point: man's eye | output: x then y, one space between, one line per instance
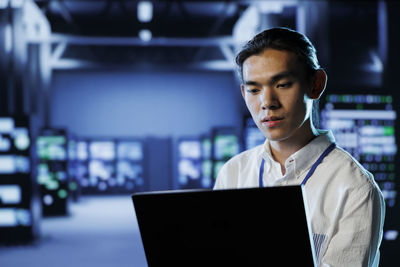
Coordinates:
252 91
284 85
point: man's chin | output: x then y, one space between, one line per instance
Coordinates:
276 137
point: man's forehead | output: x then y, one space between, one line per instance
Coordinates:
271 62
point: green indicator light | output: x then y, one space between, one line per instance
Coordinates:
62 193
389 99
359 107
52 185
43 179
341 98
391 176
42 167
73 186
388 130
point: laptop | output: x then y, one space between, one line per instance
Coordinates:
235 227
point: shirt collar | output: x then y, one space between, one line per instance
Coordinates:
304 158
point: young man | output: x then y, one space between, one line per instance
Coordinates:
281 81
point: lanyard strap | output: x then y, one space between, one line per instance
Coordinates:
314 166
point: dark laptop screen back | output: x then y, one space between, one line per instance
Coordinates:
239 227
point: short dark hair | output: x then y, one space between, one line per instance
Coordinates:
283 39
280 39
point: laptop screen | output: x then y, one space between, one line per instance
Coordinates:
237 227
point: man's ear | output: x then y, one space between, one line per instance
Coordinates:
242 89
318 84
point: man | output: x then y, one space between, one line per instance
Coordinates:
281 81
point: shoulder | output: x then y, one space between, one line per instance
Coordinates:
350 171
244 157
240 165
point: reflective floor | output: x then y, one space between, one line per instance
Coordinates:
100 231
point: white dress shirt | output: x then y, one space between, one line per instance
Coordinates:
345 204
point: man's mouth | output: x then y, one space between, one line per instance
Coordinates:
271 121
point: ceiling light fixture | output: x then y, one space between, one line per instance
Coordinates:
145 35
145 11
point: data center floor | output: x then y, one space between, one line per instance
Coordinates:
100 232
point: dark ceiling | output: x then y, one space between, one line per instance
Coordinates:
119 17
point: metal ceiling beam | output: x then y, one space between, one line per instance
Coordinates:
133 41
73 64
62 41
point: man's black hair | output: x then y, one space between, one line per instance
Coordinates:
287 40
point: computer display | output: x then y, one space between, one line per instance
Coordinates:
225 145
96 165
101 174
190 163
107 166
52 147
82 151
130 150
364 125
104 150
130 165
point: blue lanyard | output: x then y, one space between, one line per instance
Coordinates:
319 160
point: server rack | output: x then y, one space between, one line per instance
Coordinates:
52 171
19 206
364 123
225 145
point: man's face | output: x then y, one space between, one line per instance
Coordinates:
275 88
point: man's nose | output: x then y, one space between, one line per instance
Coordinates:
269 99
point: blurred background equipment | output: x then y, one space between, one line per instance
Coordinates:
52 171
19 207
101 99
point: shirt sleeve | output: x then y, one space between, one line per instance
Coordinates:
221 182
358 232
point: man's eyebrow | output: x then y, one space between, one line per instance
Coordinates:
282 75
251 83
273 79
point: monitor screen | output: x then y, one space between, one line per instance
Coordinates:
130 150
100 170
82 153
190 149
52 147
104 150
129 174
225 146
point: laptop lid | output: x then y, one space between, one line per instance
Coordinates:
235 227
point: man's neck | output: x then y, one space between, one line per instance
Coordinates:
282 150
